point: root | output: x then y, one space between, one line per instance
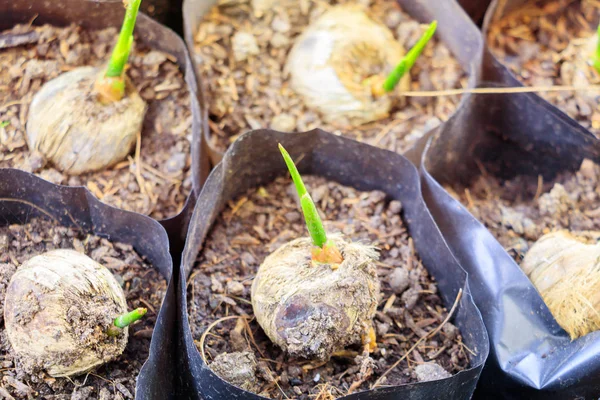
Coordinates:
207 331
430 334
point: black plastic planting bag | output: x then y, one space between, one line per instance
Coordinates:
24 196
253 160
494 71
510 135
99 15
455 30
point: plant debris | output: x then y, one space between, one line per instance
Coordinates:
242 48
156 178
263 219
552 43
143 286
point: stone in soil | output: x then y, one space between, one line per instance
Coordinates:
242 53
551 43
255 225
430 372
237 368
143 287
160 182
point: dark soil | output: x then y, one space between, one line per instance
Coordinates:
143 287
547 43
158 181
255 93
259 222
518 212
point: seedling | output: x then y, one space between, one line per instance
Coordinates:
339 66
88 119
316 295
324 251
124 320
111 85
409 59
65 313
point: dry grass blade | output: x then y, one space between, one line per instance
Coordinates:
540 188
325 393
504 90
46 213
207 331
11 103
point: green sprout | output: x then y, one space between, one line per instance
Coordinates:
311 215
120 54
324 251
4 124
409 59
124 320
112 84
596 57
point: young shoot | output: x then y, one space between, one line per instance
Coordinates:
324 251
596 56
111 84
73 294
409 59
124 320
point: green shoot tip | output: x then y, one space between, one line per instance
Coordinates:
311 215
120 54
130 317
596 57
409 59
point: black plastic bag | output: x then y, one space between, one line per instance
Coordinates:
511 135
24 196
99 15
455 30
254 160
493 70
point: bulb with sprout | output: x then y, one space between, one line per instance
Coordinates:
314 296
66 314
88 118
347 66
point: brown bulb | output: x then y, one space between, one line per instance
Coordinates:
78 133
57 309
312 310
